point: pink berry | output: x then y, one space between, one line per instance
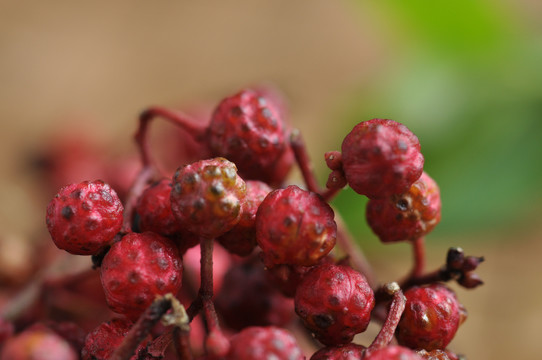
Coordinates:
84 218
37 344
256 343
406 216
334 302
241 240
207 196
345 352
381 157
138 268
431 317
393 352
248 129
294 226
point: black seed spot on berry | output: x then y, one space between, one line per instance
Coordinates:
333 300
133 277
323 321
376 150
66 212
76 194
401 145
402 204
178 188
234 142
217 189
236 111
191 178
139 300
245 127
399 217
288 221
199 204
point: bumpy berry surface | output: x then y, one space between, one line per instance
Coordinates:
294 226
434 355
138 268
37 344
345 352
393 352
256 343
335 302
84 218
381 157
241 240
101 342
406 216
248 129
154 209
431 317
207 196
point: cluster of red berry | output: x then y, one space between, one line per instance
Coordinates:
280 249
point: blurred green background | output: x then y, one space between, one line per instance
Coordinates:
465 76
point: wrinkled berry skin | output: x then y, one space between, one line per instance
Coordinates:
207 197
37 344
248 129
393 352
295 227
101 342
431 317
257 343
154 209
241 240
136 269
381 157
407 216
346 352
335 302
84 218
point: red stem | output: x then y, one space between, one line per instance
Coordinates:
418 249
143 178
182 344
303 161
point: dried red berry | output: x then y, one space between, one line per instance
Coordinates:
381 157
345 352
37 343
154 209
248 129
393 352
101 342
256 343
406 216
294 226
431 317
335 302
207 196
138 268
84 218
241 240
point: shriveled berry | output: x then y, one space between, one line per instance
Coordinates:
431 317
335 303
294 226
101 342
84 218
393 352
154 209
248 129
37 344
136 269
406 216
345 352
241 240
256 343
207 196
381 157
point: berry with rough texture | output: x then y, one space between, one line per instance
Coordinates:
207 197
393 352
381 157
436 355
154 209
345 352
257 343
431 317
335 303
241 240
101 342
84 218
136 269
37 344
406 216
248 129
295 226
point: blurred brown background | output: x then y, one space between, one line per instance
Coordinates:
474 90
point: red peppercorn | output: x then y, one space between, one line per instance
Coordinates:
431 317
154 209
207 197
334 302
256 343
406 216
345 352
37 343
84 218
381 157
393 352
294 226
138 268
